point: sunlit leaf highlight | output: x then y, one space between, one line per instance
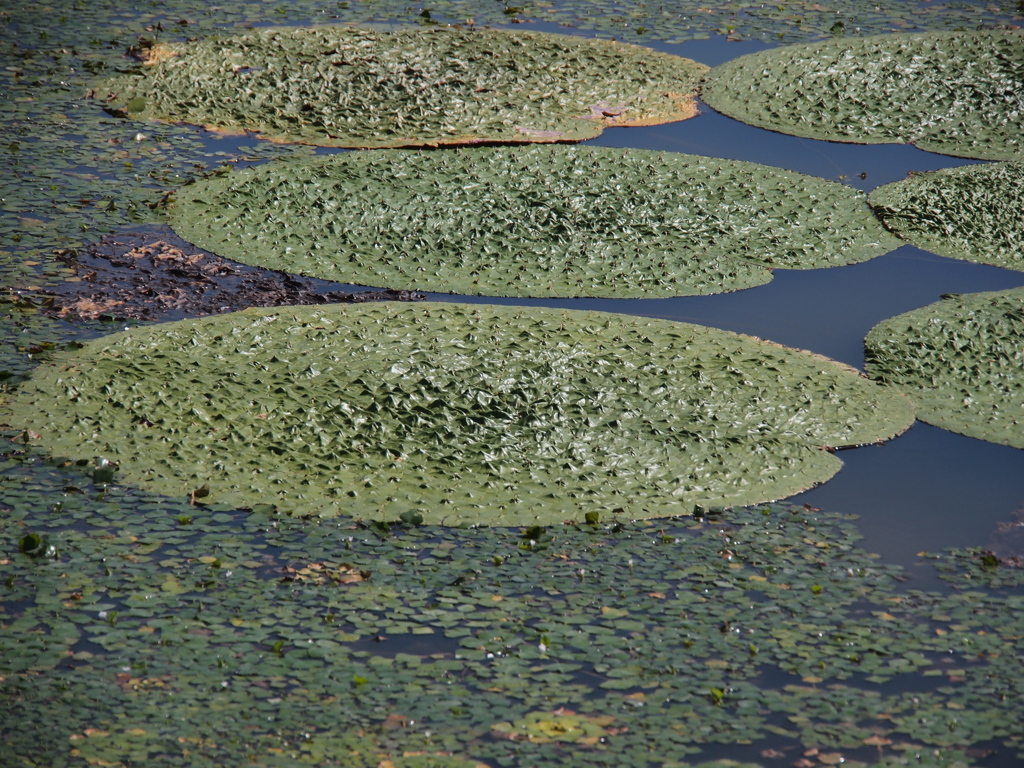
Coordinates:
531 221
344 86
463 414
957 93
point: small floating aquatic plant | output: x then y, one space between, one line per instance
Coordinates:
973 213
342 86
157 640
957 93
531 221
455 414
961 361
561 725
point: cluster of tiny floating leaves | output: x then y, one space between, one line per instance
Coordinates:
960 361
23 334
788 20
361 87
458 413
972 213
958 93
145 630
975 567
531 221
785 21
72 172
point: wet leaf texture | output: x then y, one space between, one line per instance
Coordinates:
531 221
358 87
462 413
957 93
961 361
974 213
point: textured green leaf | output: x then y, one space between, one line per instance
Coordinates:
464 414
531 221
361 87
974 213
958 93
961 361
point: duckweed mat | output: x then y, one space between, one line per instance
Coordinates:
360 87
957 93
974 213
960 361
145 631
531 221
454 414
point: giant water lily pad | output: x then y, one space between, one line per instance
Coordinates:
961 361
973 213
461 414
958 93
531 221
357 87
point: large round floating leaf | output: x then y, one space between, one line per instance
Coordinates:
463 414
531 221
961 360
358 87
973 213
958 93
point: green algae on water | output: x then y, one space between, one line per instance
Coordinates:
957 93
531 221
343 86
961 361
457 414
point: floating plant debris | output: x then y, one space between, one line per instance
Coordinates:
458 414
961 361
342 86
153 275
958 93
530 221
153 641
973 213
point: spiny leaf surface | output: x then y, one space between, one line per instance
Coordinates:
531 221
360 87
466 414
958 93
974 213
961 361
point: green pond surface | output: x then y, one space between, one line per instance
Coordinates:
141 630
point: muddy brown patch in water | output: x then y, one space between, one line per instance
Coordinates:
156 275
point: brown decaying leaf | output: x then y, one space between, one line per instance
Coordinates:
154 275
